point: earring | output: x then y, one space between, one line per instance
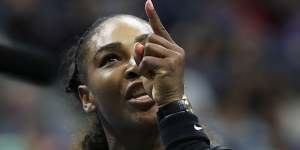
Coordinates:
89 107
85 106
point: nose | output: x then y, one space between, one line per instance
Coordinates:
132 71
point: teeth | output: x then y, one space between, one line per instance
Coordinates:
142 97
139 93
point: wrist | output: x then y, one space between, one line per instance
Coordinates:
174 107
161 102
169 97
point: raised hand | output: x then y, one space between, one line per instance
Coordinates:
161 61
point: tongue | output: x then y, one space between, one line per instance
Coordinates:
138 93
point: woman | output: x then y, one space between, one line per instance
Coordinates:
130 75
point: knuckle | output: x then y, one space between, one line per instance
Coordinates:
147 46
181 50
146 59
181 56
178 48
172 65
151 36
175 62
142 67
162 28
145 62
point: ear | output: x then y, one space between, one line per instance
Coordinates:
87 99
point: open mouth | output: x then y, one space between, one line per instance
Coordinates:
138 98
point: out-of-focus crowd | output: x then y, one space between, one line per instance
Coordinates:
243 60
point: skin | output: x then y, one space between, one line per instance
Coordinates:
155 62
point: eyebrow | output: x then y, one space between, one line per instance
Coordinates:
118 45
114 45
110 46
141 38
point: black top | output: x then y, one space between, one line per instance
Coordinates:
181 131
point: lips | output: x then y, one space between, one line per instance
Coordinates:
135 90
137 97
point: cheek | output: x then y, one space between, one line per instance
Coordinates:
106 87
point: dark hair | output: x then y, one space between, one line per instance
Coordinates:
74 60
74 75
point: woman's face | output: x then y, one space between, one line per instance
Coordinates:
112 74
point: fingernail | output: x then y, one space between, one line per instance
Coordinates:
138 48
150 4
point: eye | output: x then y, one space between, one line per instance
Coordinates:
109 59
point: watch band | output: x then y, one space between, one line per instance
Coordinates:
182 105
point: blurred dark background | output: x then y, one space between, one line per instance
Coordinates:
243 63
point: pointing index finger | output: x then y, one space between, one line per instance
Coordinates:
155 22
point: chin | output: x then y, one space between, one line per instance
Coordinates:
145 119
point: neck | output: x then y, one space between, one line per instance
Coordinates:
133 140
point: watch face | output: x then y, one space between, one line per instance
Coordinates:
187 104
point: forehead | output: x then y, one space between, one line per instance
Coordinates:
122 29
